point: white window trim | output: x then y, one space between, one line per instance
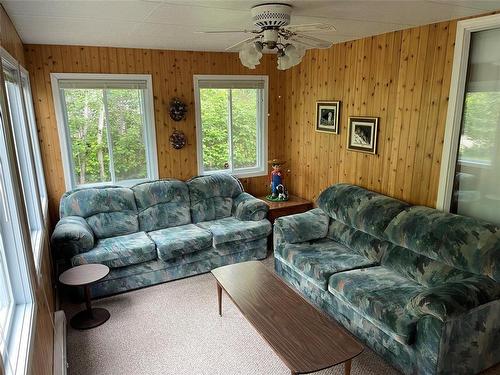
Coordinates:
149 129
37 238
455 105
261 170
20 347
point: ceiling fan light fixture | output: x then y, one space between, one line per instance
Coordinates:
251 54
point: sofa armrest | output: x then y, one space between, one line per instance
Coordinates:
72 235
307 226
451 299
248 208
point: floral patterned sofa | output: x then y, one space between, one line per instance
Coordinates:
160 230
418 286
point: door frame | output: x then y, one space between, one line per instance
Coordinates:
456 103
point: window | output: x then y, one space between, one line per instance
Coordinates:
35 145
471 152
24 151
16 293
231 122
106 128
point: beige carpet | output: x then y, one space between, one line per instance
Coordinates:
174 328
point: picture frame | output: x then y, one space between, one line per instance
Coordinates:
327 116
362 134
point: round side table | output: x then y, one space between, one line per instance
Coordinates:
84 276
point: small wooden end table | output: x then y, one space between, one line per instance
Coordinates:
84 276
305 338
294 205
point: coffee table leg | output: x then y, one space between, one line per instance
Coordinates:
219 298
347 365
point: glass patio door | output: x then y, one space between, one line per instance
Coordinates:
476 188
470 175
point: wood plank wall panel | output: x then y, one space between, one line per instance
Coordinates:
401 77
42 359
9 38
172 73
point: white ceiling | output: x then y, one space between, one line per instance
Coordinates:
171 24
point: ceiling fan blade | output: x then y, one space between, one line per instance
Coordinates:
312 27
311 41
228 31
239 44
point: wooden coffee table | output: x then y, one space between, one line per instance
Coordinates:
305 339
84 276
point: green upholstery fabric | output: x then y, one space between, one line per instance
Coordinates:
72 235
212 196
162 204
247 207
360 208
307 226
110 211
462 242
454 298
361 242
176 241
419 268
381 295
431 306
231 229
320 259
119 251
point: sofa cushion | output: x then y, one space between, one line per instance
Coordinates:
359 208
361 242
162 204
466 243
454 298
419 268
119 251
306 226
231 229
318 260
176 241
212 196
381 296
109 211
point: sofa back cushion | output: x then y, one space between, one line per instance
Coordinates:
212 196
462 242
359 208
162 204
363 243
110 211
420 268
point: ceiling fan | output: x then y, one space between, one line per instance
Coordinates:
274 32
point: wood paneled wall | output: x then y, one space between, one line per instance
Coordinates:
172 73
42 357
9 38
401 77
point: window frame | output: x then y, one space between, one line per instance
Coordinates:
38 236
262 130
456 104
64 137
15 230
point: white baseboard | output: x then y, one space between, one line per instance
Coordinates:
60 362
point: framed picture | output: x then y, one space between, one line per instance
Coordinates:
362 134
327 117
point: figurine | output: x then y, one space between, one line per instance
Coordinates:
278 190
